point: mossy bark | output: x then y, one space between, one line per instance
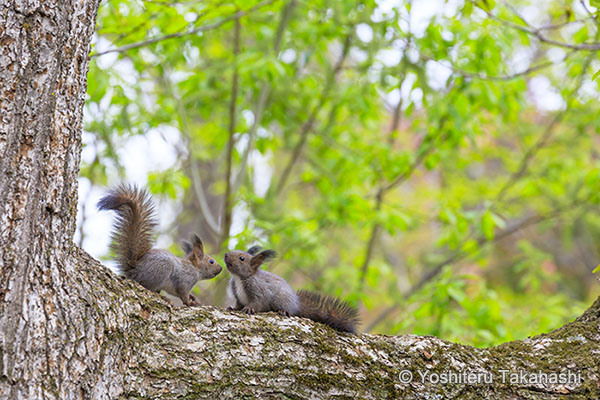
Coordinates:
125 342
71 329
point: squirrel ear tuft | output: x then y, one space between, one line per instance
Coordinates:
269 255
198 246
196 239
262 257
254 250
187 247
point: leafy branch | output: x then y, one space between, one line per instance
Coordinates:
194 31
537 32
481 241
309 124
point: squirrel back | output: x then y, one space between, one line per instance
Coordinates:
133 232
252 290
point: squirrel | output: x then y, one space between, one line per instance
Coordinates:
254 290
155 269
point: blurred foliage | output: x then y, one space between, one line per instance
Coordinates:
435 163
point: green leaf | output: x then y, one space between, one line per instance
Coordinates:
597 269
596 73
487 225
487 5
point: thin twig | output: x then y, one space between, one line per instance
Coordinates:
309 124
529 154
589 12
227 200
563 24
502 78
203 28
460 255
395 126
263 95
185 129
381 191
550 27
536 32
544 138
201 196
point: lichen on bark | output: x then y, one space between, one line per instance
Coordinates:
207 352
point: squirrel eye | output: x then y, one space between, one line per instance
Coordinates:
212 261
242 258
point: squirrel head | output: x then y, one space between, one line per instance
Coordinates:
244 264
194 253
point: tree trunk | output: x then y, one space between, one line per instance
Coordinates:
44 48
70 328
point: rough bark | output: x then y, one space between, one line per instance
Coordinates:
44 47
70 328
123 341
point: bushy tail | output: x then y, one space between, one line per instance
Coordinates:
328 310
133 231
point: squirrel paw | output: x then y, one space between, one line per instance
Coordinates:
168 300
283 313
193 301
248 310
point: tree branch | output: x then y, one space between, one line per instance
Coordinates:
589 12
502 78
544 138
382 190
227 200
536 32
309 124
286 14
395 126
212 353
203 28
528 156
201 196
515 176
481 241
184 128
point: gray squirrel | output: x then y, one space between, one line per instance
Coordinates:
254 290
155 269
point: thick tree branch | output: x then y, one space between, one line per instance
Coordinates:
206 352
